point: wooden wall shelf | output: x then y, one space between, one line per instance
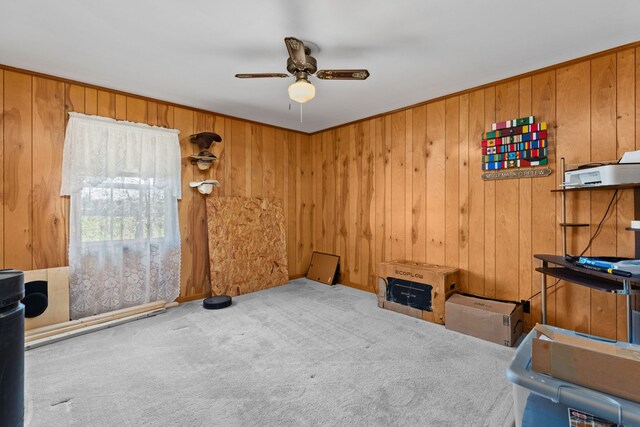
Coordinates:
601 281
564 269
596 187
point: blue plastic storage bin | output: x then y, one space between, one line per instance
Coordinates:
541 400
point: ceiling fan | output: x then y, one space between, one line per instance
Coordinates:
301 65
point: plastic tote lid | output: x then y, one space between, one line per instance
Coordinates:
11 287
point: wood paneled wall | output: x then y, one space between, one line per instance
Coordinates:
402 185
255 160
407 185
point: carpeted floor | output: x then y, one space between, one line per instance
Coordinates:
301 354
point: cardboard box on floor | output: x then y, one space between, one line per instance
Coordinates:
599 365
444 282
495 321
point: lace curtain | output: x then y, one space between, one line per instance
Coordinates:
124 239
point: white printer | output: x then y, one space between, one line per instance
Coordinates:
625 172
616 174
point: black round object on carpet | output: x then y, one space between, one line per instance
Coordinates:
218 302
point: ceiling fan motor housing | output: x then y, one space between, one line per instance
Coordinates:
312 65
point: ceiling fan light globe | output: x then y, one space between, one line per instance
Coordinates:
302 91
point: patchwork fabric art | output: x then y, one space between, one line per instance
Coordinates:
515 143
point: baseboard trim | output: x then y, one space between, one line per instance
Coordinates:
359 287
188 298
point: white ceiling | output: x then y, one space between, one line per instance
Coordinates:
188 51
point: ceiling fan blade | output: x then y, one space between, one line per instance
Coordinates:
261 75
343 74
296 52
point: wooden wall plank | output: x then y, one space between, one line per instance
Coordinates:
573 105
17 198
320 178
317 143
305 233
452 196
49 221
226 152
435 233
136 110
74 99
292 196
544 222
603 148
279 166
165 114
152 113
420 186
342 202
626 133
238 183
525 266
121 107
476 194
220 150
388 180
380 164
268 162
183 121
329 192
200 274
489 204
315 200
507 227
300 208
257 157
368 208
91 101
106 104
248 155
408 188
398 183
463 196
356 142
217 124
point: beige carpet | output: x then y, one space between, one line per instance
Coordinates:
300 354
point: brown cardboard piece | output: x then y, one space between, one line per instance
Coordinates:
444 281
323 268
495 321
587 362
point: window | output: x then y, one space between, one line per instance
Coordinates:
124 241
123 209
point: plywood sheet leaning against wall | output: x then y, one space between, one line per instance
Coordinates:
57 294
247 246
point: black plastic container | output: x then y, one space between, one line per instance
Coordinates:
11 348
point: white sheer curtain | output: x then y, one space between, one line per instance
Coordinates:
124 240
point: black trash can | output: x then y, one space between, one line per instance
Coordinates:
11 348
